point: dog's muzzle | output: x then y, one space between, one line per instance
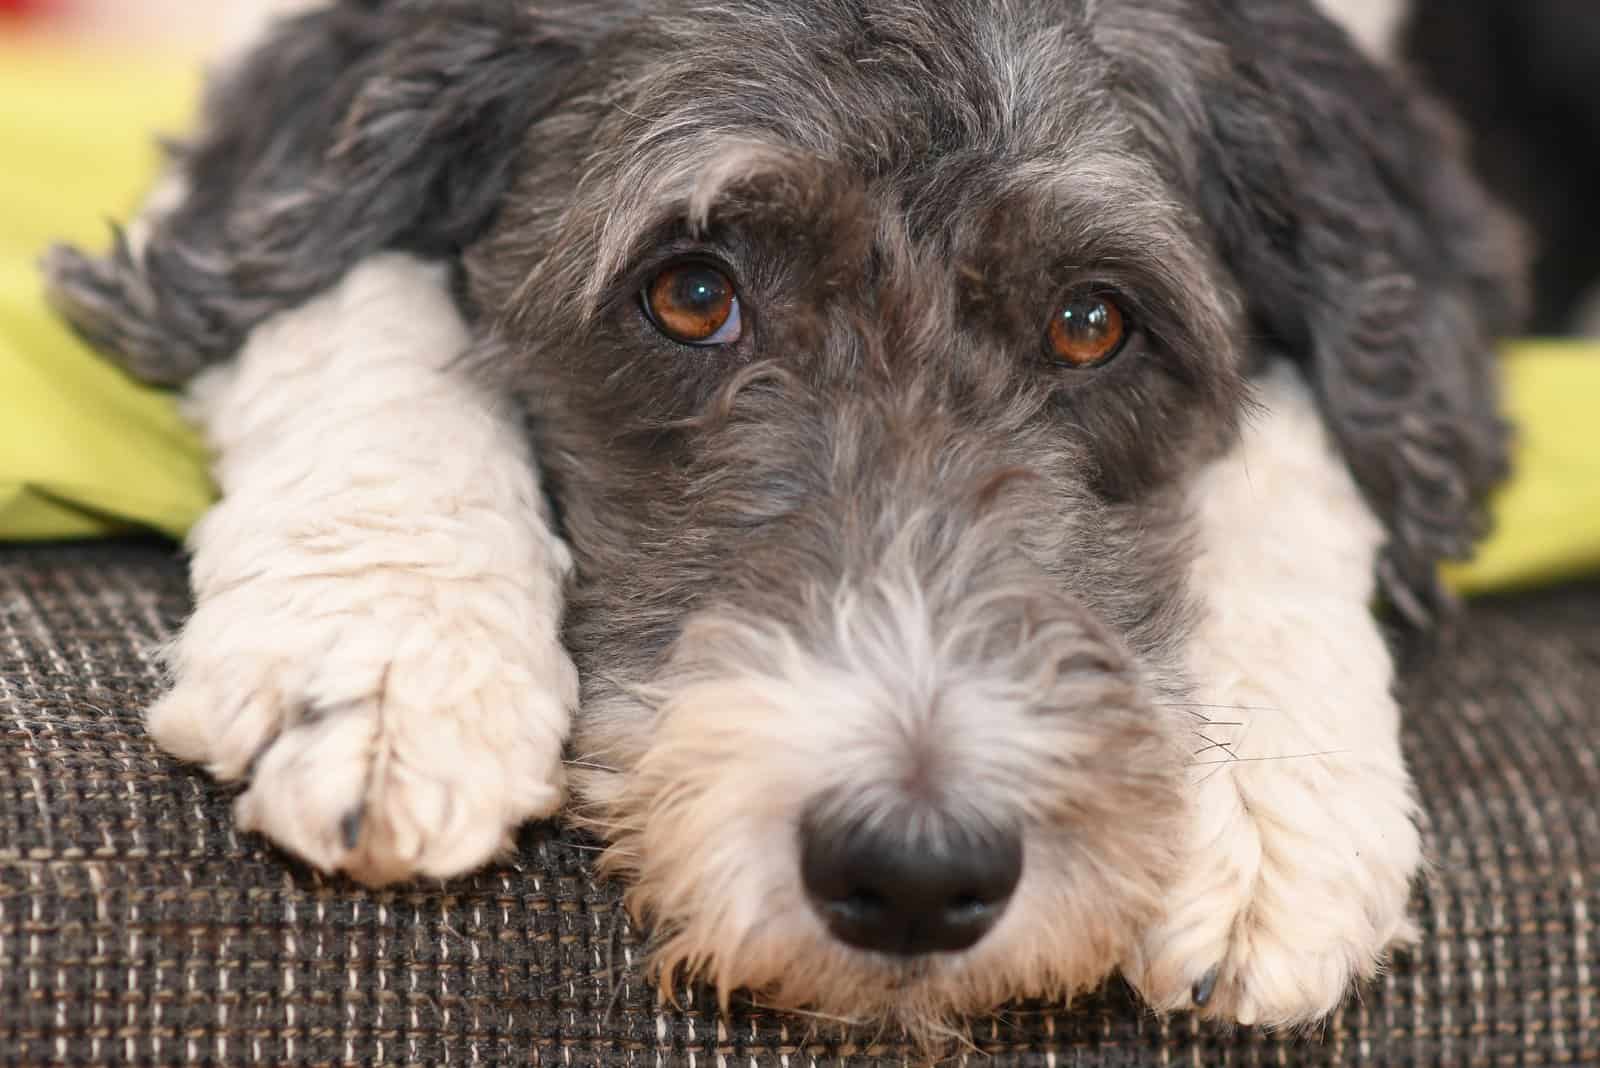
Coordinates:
895 738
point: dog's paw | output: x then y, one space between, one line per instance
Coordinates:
394 742
1296 883
376 640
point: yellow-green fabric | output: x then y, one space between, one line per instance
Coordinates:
1547 518
84 451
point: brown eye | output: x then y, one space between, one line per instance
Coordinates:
694 303
1087 330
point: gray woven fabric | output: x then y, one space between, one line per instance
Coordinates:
137 927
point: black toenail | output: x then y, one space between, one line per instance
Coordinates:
350 827
1204 988
255 758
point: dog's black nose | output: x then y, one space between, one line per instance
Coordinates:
881 887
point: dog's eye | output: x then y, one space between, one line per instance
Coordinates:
1087 330
695 304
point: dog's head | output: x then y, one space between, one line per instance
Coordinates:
873 351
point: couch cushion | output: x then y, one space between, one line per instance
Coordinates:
136 925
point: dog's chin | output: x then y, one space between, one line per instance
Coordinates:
705 808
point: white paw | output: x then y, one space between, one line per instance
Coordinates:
395 742
1301 846
376 639
1296 884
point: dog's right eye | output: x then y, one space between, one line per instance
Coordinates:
693 303
1087 330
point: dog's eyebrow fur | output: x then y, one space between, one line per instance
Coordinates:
738 163
684 186
1080 208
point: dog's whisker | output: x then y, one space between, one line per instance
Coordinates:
1226 747
1219 707
1209 722
583 848
810 1014
1253 760
592 765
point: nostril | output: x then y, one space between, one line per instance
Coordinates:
968 905
857 906
878 887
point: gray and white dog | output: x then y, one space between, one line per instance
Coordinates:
977 433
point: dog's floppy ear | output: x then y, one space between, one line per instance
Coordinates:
364 125
1363 249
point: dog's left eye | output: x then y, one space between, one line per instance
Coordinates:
1087 330
693 303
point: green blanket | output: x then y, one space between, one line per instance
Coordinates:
1547 518
86 452
83 450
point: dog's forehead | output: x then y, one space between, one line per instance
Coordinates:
883 87
947 123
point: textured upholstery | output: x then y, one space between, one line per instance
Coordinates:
136 926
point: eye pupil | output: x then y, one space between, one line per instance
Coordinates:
1086 331
693 303
699 290
1086 318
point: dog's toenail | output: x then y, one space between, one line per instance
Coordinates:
256 757
1204 988
350 827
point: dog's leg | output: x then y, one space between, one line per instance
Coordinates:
1302 844
375 641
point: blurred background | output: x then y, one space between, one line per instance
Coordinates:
193 27
1524 77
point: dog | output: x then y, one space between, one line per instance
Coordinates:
958 446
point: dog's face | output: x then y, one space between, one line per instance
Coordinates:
873 350
868 398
